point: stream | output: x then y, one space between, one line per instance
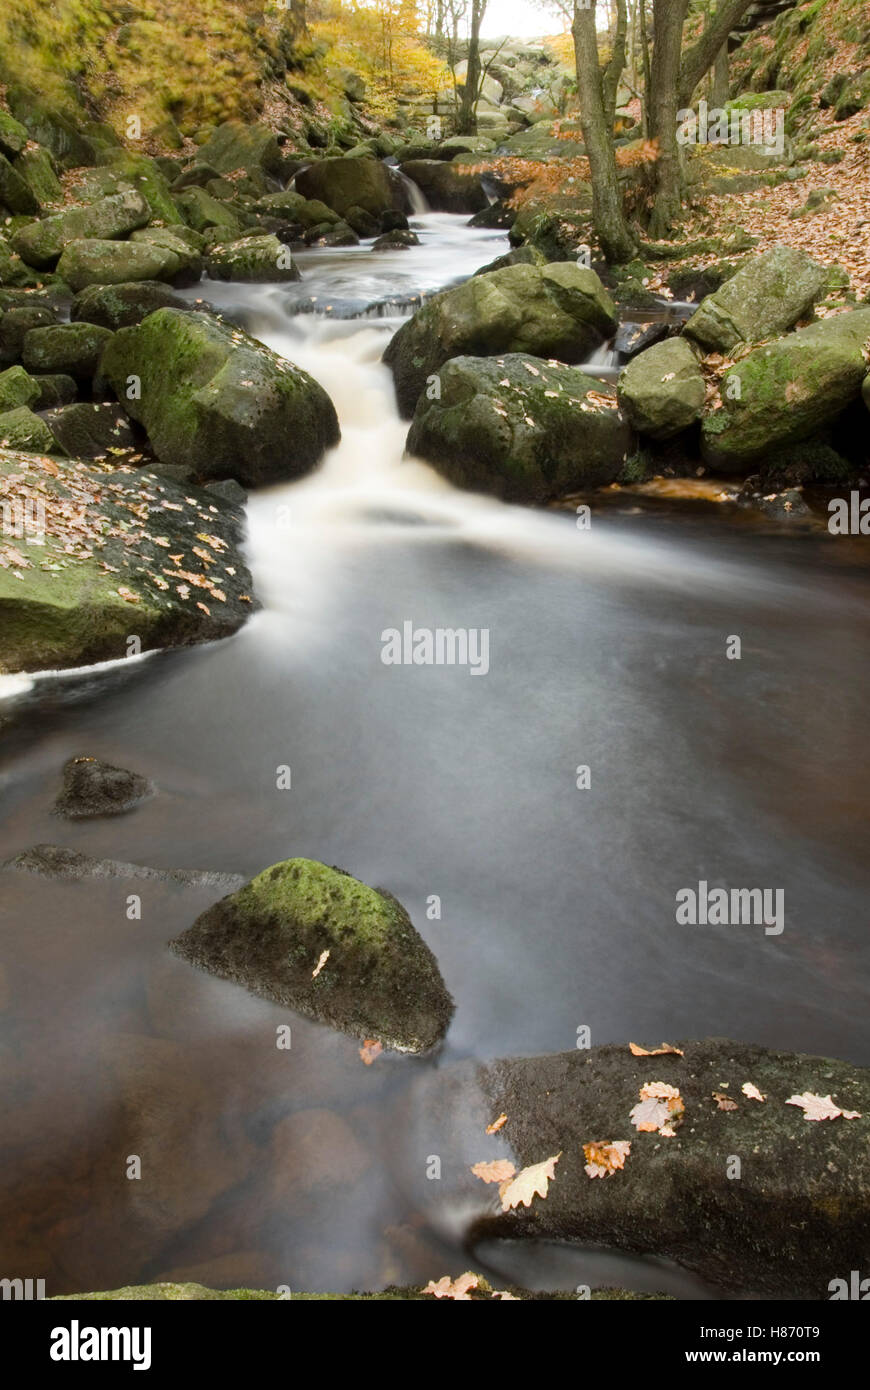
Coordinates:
304 1168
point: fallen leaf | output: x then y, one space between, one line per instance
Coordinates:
638 1051
821 1107
320 964
531 1182
497 1124
458 1289
603 1159
497 1170
752 1091
128 595
724 1102
371 1049
660 1105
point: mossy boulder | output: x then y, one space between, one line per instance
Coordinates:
447 187
36 169
14 272
79 596
182 247
767 296
662 390
798 1214
48 125
15 195
217 401
13 136
560 310
124 304
17 322
519 427
21 429
95 262
17 387
235 145
40 243
140 172
788 390
251 260
201 211
71 348
347 183
379 979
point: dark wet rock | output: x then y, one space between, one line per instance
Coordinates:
778 506
662 390
798 1215
767 296
201 211
219 402
15 194
252 260
519 427
396 241
124 304
394 221
94 788
379 980
332 234
788 390
54 861
15 323
197 175
560 311
353 183
632 338
112 577
41 243
497 216
365 224
73 349
54 389
90 429
447 187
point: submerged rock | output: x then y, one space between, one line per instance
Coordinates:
68 865
95 788
318 941
767 296
798 1214
560 311
219 402
521 428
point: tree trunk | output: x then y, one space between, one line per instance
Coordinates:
720 88
668 19
615 67
608 214
466 122
296 22
702 55
646 124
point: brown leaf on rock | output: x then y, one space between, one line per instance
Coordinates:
821 1107
604 1158
457 1289
533 1181
666 1048
724 1102
659 1109
496 1170
370 1050
497 1124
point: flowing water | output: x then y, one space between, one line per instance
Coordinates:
302 1167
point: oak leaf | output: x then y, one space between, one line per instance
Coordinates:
752 1091
659 1108
457 1289
724 1102
604 1159
821 1107
497 1170
666 1048
533 1181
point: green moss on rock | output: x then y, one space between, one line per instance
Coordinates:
380 980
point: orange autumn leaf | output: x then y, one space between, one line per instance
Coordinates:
457 1289
497 1170
370 1049
660 1106
603 1159
533 1181
497 1124
724 1102
666 1048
